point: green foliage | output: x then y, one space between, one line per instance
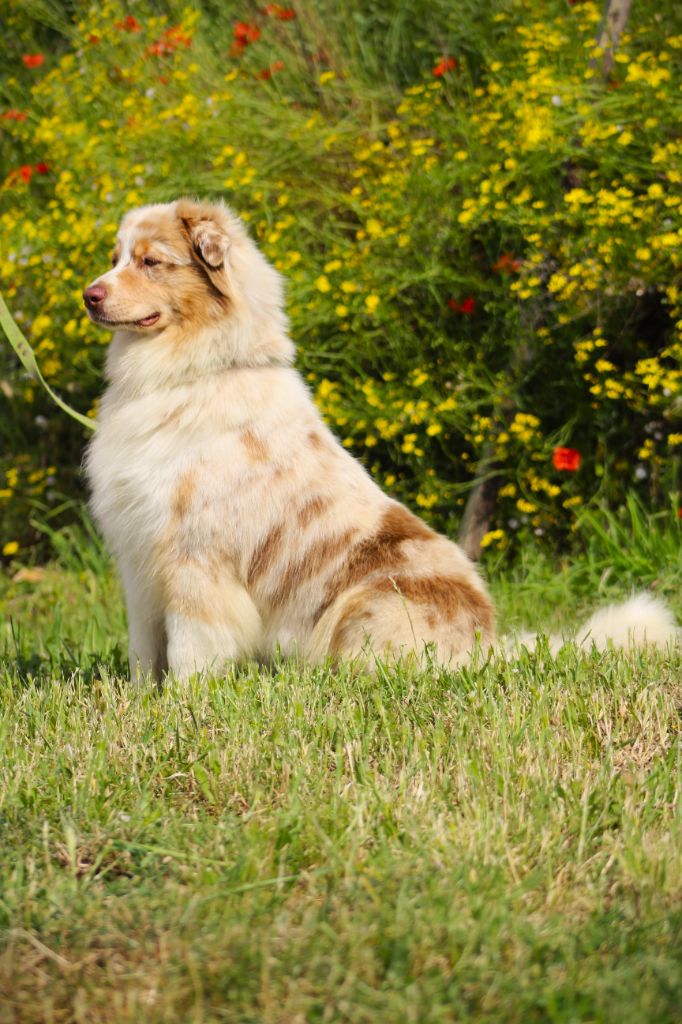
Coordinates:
481 234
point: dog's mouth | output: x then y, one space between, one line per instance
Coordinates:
147 321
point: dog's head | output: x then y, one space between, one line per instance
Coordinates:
188 270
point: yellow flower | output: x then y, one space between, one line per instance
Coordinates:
342 310
322 283
372 301
10 548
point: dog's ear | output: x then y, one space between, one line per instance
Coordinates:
208 239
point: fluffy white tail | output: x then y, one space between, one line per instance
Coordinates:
641 621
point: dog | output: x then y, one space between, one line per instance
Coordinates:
240 525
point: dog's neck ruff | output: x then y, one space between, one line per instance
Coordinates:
138 366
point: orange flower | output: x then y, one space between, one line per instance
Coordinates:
171 40
14 115
444 65
507 264
281 13
129 24
266 73
566 459
244 34
33 60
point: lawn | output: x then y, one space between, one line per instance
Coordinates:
296 844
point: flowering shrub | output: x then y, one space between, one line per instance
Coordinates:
483 266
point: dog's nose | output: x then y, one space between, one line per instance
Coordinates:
93 295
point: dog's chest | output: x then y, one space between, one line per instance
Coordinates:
175 476
136 463
132 482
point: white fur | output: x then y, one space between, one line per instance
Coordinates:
641 621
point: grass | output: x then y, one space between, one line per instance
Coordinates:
499 844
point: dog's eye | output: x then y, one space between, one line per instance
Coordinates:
114 260
149 261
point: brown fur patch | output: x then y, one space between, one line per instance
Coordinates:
264 554
174 416
355 615
163 226
183 494
447 596
254 445
316 440
179 596
312 509
381 552
194 298
312 563
206 243
142 248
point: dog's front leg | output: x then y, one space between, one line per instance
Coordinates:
210 620
146 627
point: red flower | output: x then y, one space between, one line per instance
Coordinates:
129 24
171 40
679 512
466 307
93 39
281 13
444 65
26 172
41 169
244 34
33 60
14 115
269 72
507 264
566 459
